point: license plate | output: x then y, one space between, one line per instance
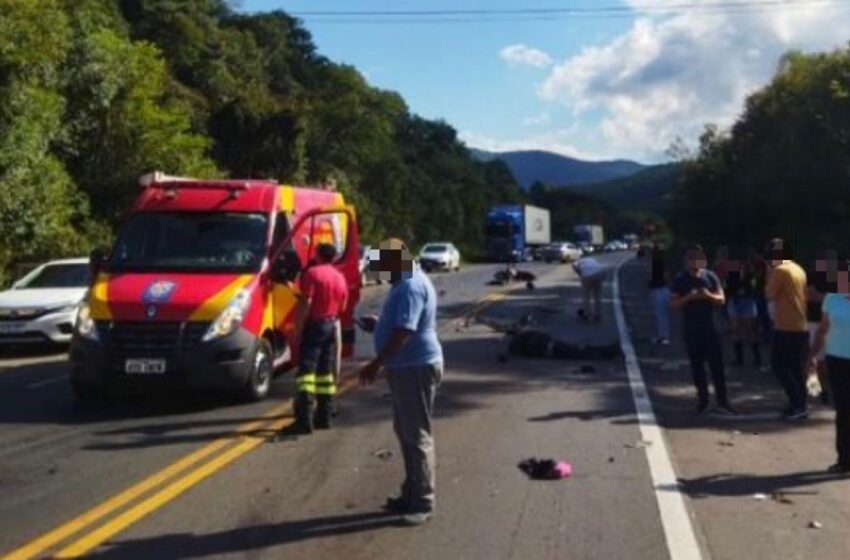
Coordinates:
145 367
11 328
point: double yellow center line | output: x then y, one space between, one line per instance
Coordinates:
123 510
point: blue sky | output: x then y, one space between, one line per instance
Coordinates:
600 87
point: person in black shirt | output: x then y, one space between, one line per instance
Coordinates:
697 292
740 287
660 291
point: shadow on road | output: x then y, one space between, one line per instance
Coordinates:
733 485
244 539
32 350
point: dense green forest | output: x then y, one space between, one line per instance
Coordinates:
621 206
568 208
647 191
782 170
93 93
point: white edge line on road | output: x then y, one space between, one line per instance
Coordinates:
675 519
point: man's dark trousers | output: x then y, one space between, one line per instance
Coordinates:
788 359
703 346
316 374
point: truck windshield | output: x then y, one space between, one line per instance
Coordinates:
184 241
497 229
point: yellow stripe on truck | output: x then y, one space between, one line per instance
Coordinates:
287 199
211 308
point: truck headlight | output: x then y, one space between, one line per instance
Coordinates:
229 320
86 326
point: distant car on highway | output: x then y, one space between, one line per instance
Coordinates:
42 306
615 245
586 248
562 251
439 256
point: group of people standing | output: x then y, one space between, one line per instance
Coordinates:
805 317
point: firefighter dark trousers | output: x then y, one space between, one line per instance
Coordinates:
316 374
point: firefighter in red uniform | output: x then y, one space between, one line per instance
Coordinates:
324 296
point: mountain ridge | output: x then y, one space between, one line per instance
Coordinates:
531 166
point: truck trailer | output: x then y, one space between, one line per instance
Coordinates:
591 234
514 231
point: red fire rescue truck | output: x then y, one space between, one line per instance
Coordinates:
200 288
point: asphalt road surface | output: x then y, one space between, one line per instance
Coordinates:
195 476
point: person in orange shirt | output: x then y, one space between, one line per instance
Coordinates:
786 289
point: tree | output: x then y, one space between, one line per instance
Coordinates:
784 167
41 212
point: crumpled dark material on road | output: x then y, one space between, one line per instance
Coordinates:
545 469
502 277
530 343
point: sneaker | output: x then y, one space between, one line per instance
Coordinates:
416 518
796 415
726 410
838 468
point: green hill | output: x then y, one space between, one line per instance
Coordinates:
532 166
646 191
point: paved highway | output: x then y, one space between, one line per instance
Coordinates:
198 477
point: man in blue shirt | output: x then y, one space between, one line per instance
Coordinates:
697 291
407 346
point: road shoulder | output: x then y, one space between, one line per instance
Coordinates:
723 464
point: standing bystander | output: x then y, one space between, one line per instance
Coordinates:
407 346
833 336
742 310
786 289
324 295
660 291
591 273
697 291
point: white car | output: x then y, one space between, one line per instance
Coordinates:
439 256
561 251
42 306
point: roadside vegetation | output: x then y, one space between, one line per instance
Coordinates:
94 93
782 170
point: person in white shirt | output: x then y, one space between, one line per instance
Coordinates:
591 273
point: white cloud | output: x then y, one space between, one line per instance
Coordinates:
536 120
551 142
668 76
523 55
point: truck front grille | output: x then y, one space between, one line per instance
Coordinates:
149 339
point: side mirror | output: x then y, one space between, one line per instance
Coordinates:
286 268
96 260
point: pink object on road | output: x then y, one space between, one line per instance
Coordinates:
562 470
